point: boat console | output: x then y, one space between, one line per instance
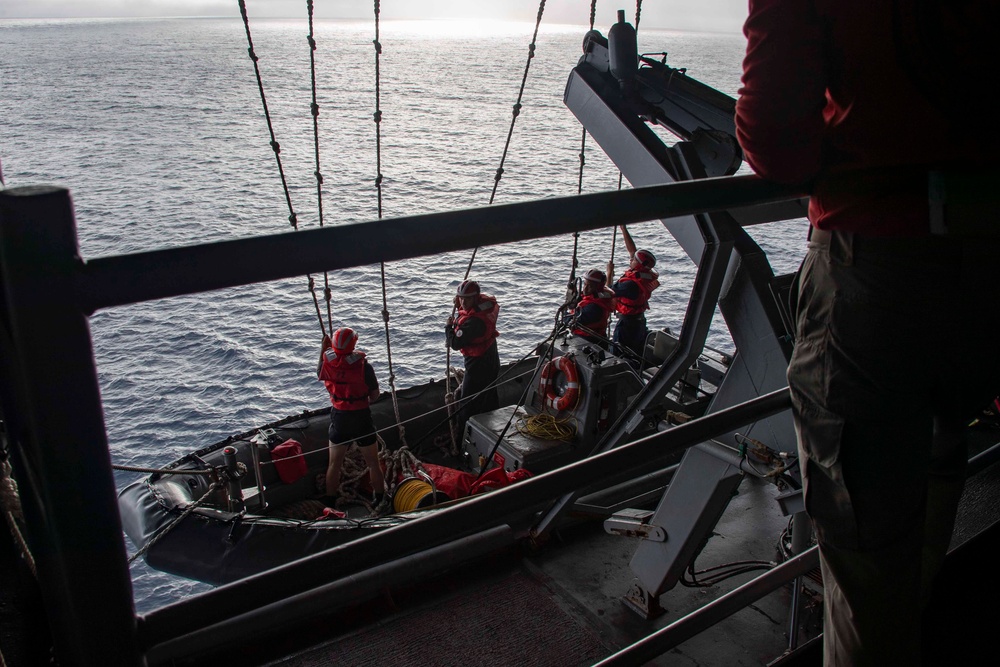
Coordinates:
598 387
596 391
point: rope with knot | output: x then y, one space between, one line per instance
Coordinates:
378 187
398 464
173 524
314 109
276 147
10 502
449 396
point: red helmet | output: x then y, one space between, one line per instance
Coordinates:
344 339
596 276
468 288
645 258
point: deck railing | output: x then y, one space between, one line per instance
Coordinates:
54 421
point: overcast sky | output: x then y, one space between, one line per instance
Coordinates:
707 15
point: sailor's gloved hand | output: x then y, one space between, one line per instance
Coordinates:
327 343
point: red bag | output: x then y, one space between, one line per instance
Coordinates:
458 484
289 461
453 483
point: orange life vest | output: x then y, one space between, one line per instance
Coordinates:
647 281
486 310
344 377
606 301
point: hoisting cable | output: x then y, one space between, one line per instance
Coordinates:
161 471
579 183
513 120
638 13
496 183
314 109
614 238
378 187
173 524
276 147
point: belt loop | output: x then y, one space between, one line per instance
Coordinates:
936 198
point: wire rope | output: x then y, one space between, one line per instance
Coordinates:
449 396
378 187
314 110
276 148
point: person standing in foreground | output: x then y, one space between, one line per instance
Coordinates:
895 350
594 309
632 292
352 384
473 332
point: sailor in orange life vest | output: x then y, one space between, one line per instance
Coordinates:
473 332
594 310
632 293
352 384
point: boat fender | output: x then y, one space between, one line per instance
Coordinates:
547 387
289 461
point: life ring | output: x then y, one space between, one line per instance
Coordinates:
547 387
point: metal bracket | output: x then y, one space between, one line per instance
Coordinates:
639 600
791 502
265 437
634 523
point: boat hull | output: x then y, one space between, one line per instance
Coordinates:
187 527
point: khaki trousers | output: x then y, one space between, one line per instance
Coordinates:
897 349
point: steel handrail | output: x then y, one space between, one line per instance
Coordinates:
132 278
715 611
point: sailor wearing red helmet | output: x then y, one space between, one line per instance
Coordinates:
352 384
473 332
632 292
594 310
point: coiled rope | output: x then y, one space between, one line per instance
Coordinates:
546 426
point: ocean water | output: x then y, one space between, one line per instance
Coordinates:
157 129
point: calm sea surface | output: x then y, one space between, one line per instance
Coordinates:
157 129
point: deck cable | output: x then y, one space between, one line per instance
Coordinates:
614 230
579 183
449 396
276 147
314 110
161 471
173 524
378 187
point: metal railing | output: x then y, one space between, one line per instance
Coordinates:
53 413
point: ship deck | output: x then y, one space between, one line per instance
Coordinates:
562 603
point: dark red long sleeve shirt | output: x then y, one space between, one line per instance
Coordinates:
827 91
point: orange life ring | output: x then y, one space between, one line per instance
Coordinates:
547 387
